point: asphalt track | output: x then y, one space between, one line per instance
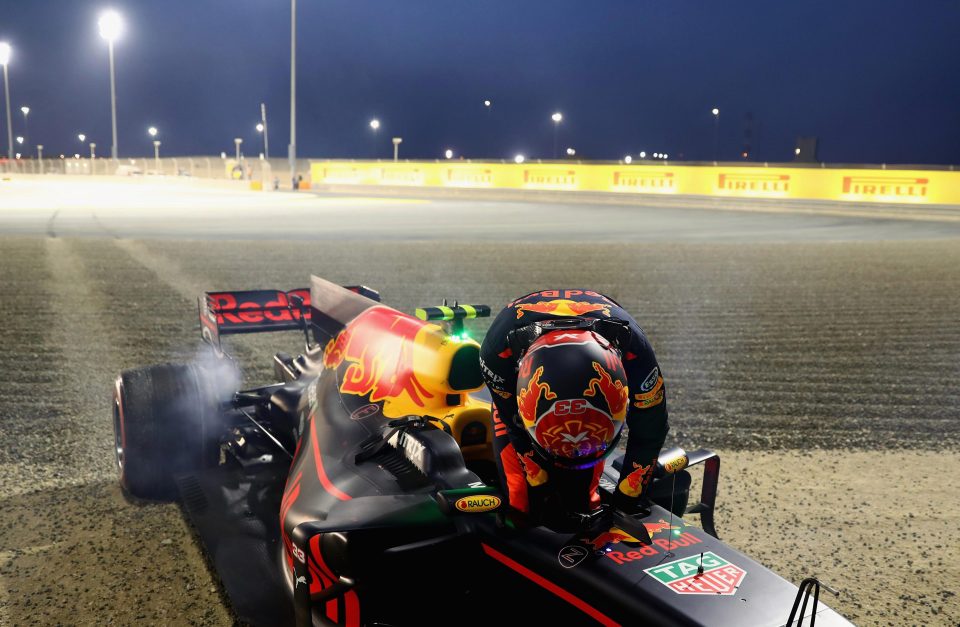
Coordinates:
786 329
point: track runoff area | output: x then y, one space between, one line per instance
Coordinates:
818 353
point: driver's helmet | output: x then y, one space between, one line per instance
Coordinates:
572 396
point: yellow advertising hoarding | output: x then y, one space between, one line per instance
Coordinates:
858 185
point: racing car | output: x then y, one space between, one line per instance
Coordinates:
359 487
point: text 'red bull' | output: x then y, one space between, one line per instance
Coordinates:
378 344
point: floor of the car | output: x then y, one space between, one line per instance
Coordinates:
235 516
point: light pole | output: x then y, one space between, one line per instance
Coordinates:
237 141
93 156
557 118
5 52
111 25
716 133
263 125
152 132
292 148
26 126
396 147
263 144
375 126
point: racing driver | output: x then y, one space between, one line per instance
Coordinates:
566 369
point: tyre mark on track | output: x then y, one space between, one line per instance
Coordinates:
97 335
50 231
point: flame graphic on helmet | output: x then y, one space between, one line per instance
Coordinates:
615 392
562 307
633 484
529 397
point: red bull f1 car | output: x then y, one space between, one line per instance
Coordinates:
359 488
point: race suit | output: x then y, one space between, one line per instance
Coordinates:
534 485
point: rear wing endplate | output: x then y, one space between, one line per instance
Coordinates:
258 311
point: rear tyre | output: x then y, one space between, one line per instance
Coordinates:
166 422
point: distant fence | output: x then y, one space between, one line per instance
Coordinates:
736 180
264 171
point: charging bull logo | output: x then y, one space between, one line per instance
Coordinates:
378 345
535 474
614 392
612 536
634 483
563 308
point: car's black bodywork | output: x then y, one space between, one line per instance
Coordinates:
372 456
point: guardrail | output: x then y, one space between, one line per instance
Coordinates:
733 180
884 184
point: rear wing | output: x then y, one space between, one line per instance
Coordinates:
258 311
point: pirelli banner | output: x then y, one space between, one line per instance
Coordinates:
860 185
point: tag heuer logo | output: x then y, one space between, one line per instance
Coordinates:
719 576
571 555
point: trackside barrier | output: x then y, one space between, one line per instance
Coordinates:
855 185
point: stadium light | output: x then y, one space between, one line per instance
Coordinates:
628 159
82 137
716 133
557 118
5 53
643 154
152 131
571 152
519 159
111 27
375 124
448 153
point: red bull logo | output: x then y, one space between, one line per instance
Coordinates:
563 308
535 474
612 536
659 546
634 483
614 392
659 526
378 345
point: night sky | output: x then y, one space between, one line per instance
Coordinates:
874 81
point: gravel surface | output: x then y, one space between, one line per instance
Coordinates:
825 373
